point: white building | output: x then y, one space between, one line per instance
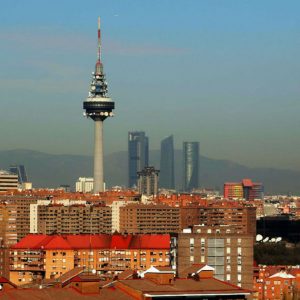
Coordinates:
85 185
8 181
115 214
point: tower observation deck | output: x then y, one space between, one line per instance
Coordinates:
98 106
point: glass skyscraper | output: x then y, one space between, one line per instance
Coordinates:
166 178
138 155
190 165
20 171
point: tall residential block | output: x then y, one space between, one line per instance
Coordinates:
149 218
148 181
70 219
138 155
229 253
167 177
98 106
190 165
245 189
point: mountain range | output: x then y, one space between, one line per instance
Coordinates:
49 170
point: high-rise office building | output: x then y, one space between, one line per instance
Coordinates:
20 171
98 106
190 165
166 178
138 155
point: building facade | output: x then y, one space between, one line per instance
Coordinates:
20 171
149 218
8 181
148 181
190 165
138 155
230 254
70 219
84 185
167 177
240 217
43 256
245 189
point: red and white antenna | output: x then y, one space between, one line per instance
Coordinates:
99 41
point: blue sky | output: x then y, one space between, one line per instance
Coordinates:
224 73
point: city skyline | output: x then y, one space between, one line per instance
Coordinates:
237 65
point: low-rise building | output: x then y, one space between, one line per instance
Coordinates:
49 256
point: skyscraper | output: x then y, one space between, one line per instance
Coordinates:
138 155
20 171
190 165
98 106
166 178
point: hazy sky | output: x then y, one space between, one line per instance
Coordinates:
224 73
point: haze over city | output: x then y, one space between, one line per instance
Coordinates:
224 73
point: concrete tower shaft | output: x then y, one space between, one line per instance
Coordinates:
98 106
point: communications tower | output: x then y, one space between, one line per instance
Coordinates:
98 106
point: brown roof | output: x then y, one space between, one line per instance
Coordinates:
125 274
48 293
190 270
186 286
166 268
70 274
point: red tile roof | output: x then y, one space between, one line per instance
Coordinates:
120 241
57 242
151 241
88 241
101 241
30 241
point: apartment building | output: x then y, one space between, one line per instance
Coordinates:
39 256
241 217
70 219
229 253
149 218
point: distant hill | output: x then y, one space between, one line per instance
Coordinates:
48 170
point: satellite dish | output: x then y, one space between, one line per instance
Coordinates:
266 239
94 271
279 239
259 237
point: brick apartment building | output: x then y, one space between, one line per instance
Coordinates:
221 247
276 282
149 218
22 204
241 217
39 256
70 219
